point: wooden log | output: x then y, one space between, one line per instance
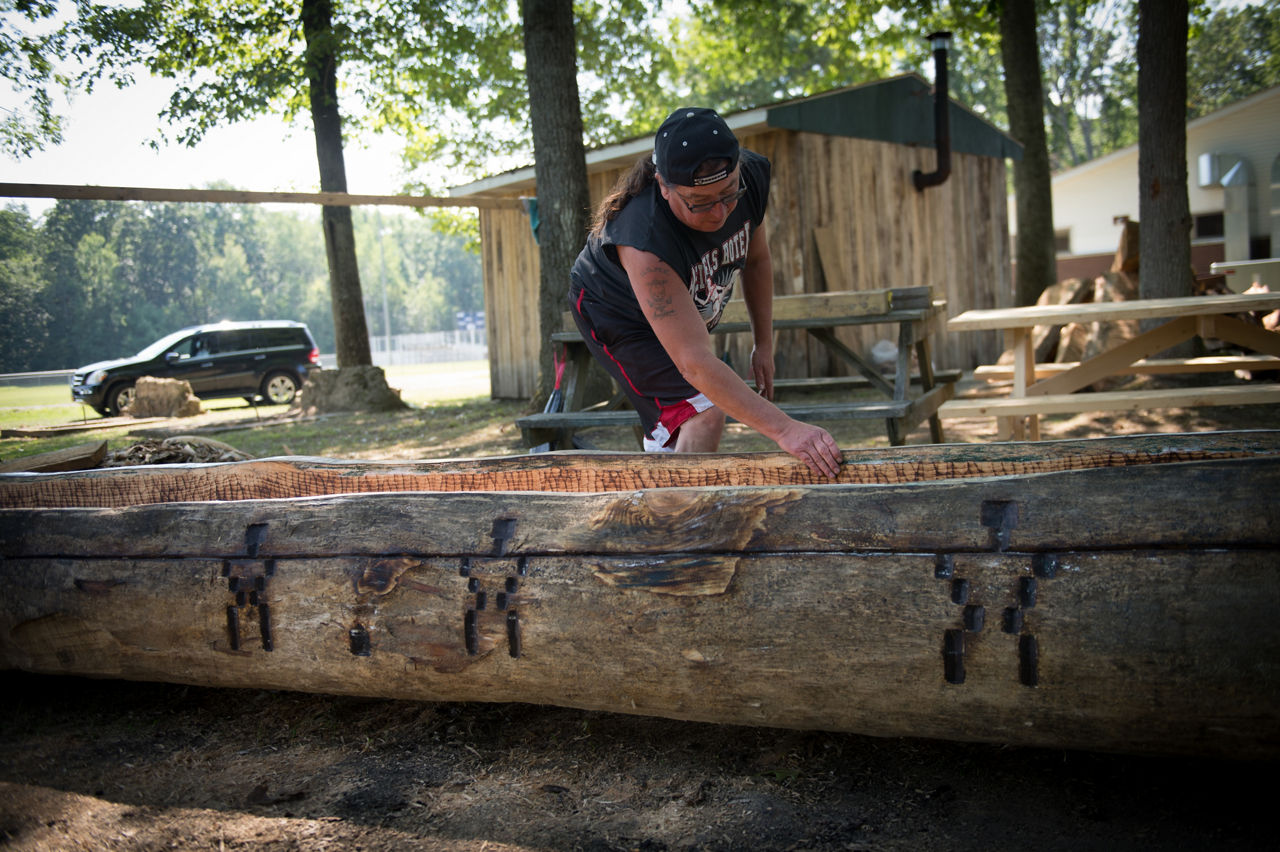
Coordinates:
595 471
1124 607
79 457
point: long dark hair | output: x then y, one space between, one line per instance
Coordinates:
636 181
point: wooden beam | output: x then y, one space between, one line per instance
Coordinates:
239 196
81 457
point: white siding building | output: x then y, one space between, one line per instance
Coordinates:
1233 185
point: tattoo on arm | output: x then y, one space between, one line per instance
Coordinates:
661 305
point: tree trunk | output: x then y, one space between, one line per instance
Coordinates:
1164 213
1036 261
1041 599
350 330
551 68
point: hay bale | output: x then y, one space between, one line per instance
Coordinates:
154 397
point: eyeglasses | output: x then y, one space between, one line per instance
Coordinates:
727 200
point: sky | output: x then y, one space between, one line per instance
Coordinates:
105 144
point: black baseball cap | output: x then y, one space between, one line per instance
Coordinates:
689 137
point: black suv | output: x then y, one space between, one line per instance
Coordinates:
270 359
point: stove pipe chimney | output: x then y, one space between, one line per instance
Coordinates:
940 41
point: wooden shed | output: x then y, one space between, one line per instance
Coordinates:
843 215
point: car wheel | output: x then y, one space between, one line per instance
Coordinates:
279 388
119 398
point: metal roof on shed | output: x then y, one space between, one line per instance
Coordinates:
898 109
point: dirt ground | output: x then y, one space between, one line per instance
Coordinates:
136 766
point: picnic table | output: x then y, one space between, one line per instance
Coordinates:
1052 388
912 309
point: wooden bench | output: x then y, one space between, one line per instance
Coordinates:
1066 403
556 430
1146 366
913 309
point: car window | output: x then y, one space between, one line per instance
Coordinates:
234 341
172 343
201 346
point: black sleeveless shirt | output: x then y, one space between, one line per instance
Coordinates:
710 264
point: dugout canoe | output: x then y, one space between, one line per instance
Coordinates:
1107 594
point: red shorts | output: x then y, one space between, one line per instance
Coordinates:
642 368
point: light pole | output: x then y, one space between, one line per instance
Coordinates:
382 280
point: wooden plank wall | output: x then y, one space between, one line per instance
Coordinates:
953 237
510 264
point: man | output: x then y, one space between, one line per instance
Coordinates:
669 245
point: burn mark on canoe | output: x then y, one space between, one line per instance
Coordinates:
688 519
1027 592
944 566
233 627
1028 661
670 575
471 633
953 656
380 576
513 633
503 531
358 640
1045 565
254 535
247 583
1001 518
97 588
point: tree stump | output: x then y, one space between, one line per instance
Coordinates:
347 389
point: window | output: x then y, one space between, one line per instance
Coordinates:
1208 226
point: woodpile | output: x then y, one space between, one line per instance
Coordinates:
182 449
1076 341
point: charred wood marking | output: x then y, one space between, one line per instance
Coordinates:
264 625
1027 592
953 656
513 633
680 575
97 588
1045 565
945 566
1001 518
503 531
690 519
1028 661
360 643
471 633
233 627
1013 618
505 600
1012 621
254 535
247 582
